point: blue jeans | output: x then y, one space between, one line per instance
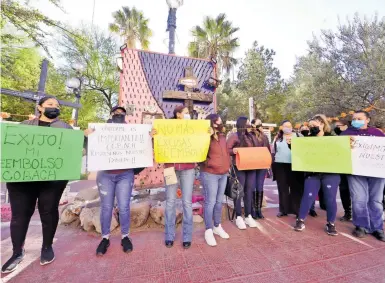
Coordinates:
329 183
261 176
214 190
109 186
367 195
186 181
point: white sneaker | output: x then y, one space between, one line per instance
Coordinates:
220 232
209 237
250 221
240 223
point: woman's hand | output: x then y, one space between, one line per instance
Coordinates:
153 133
235 150
288 140
352 140
88 132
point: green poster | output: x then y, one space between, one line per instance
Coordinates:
322 154
31 153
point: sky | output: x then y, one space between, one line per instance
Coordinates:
282 25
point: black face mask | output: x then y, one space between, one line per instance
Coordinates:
337 130
314 131
51 113
118 118
219 128
305 133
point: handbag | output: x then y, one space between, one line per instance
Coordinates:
234 190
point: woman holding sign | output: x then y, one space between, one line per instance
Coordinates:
23 197
184 174
262 141
329 182
243 138
214 178
367 192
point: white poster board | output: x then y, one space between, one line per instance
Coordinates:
368 156
119 146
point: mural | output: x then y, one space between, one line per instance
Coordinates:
153 84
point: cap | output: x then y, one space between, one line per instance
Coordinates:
118 107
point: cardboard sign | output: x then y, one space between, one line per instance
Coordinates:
119 146
181 141
31 153
250 158
322 154
368 156
170 176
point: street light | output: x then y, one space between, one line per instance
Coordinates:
171 23
75 83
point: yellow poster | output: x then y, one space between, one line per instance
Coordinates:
181 141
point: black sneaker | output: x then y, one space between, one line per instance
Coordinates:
313 213
330 229
103 246
13 262
299 225
379 235
169 244
347 217
186 245
47 255
127 245
359 232
280 214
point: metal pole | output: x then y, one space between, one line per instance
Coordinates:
171 27
42 81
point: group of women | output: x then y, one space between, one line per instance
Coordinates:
297 190
362 197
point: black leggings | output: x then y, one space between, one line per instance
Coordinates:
23 197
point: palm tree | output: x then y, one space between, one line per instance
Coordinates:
215 40
132 26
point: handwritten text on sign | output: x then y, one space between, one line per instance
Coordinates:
119 146
181 140
368 156
30 153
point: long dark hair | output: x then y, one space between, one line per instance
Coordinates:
280 132
242 131
179 110
213 118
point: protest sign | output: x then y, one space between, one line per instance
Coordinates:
31 153
249 158
322 154
368 156
179 141
119 146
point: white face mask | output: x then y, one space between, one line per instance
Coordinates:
186 117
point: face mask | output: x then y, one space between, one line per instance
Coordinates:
337 130
118 118
358 124
186 117
305 132
51 113
287 130
314 131
219 127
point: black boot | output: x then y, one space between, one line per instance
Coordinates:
255 206
258 211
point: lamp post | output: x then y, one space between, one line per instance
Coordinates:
75 83
171 23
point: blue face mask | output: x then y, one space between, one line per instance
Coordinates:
358 124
